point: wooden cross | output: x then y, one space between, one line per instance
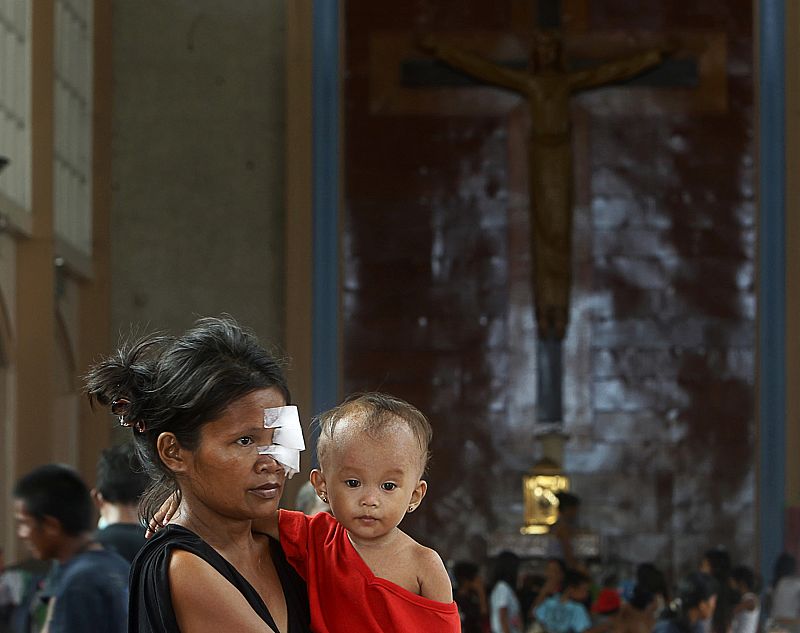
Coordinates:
694 80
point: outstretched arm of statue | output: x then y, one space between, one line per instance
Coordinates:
475 65
619 70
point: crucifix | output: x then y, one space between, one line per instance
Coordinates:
547 86
692 81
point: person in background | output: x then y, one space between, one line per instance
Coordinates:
785 597
697 595
564 530
747 611
565 612
717 563
87 588
120 482
650 579
470 596
505 614
554 573
638 615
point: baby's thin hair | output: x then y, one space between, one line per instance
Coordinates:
374 412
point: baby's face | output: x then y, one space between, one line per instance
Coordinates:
371 481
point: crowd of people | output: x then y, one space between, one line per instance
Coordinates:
214 438
717 597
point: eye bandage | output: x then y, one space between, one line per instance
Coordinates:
287 441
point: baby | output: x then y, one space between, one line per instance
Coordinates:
363 573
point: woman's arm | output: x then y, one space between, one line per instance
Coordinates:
205 602
504 624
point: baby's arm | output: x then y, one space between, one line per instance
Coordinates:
434 583
268 526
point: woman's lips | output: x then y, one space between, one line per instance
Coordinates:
267 491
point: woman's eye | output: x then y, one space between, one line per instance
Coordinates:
352 483
245 441
388 485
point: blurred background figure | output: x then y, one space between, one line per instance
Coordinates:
564 530
747 611
638 615
784 599
717 563
697 599
87 587
650 579
505 613
554 573
470 596
121 480
565 612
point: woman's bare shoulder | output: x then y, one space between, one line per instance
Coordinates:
204 601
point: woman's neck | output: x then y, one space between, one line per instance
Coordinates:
221 533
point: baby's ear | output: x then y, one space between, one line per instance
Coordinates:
318 481
418 494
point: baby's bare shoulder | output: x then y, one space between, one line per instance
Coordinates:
432 575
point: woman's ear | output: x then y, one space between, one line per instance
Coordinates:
172 455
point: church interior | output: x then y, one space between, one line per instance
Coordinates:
595 286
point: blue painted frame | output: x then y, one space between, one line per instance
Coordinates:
772 282
325 200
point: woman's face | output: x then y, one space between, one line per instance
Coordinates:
225 473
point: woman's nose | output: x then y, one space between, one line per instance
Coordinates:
267 463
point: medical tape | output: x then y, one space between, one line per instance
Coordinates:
287 440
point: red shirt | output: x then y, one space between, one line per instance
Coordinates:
344 595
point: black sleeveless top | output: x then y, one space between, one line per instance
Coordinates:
150 600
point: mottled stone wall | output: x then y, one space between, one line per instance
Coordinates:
659 395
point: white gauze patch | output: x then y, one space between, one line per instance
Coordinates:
287 441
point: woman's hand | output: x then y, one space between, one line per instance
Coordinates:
163 515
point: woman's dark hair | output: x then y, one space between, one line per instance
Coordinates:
505 568
641 598
785 565
465 571
719 560
697 587
650 578
745 576
161 383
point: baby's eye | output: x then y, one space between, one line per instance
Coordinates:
388 485
245 440
352 483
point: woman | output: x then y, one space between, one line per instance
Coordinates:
196 405
505 615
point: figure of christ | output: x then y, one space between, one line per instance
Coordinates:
547 86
